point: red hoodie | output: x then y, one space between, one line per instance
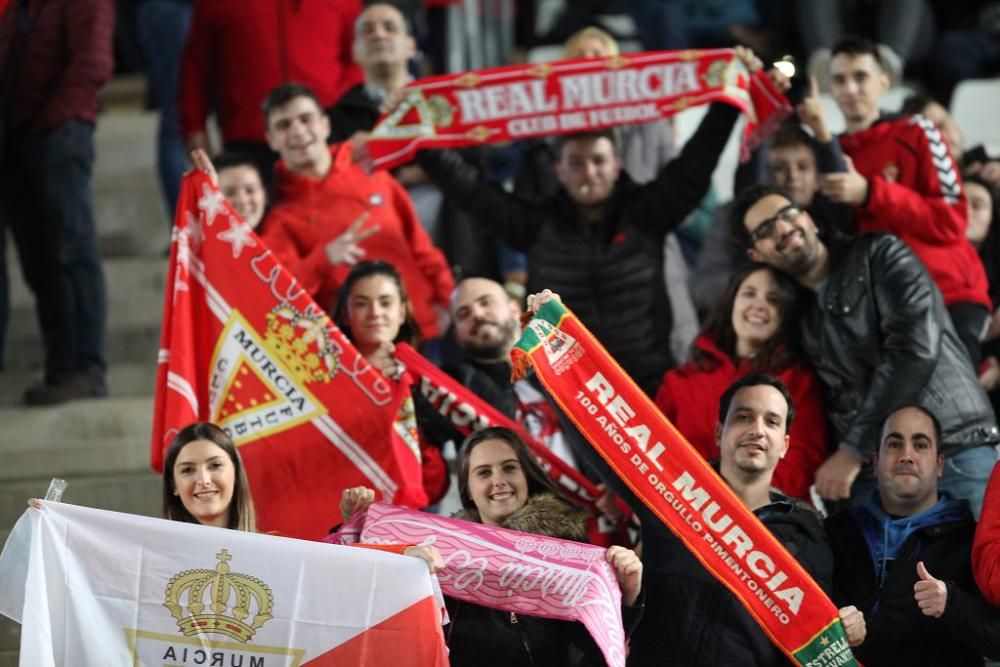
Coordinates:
312 212
915 192
986 548
689 398
237 51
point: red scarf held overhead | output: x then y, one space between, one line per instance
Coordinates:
680 488
570 96
244 346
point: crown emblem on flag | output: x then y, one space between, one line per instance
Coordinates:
302 344
219 601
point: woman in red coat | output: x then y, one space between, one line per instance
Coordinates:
750 332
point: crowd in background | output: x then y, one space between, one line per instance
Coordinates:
857 273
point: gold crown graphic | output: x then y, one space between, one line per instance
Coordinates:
221 585
302 343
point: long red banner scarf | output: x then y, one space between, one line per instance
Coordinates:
244 346
507 570
680 488
522 101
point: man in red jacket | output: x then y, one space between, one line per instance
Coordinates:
329 214
237 51
901 179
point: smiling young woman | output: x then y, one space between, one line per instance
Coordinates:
750 331
204 481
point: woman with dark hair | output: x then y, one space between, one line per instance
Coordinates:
204 481
981 199
374 312
750 331
501 484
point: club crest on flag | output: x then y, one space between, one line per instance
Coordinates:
232 592
561 349
258 384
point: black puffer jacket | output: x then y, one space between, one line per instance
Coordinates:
609 273
898 632
692 619
880 338
482 637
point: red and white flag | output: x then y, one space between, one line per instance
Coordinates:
244 346
91 587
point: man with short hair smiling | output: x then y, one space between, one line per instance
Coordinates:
902 179
903 557
690 617
487 324
879 338
329 214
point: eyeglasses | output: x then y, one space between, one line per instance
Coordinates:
765 230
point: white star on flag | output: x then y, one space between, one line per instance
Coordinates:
211 203
238 236
195 232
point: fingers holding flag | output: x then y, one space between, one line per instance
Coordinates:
628 569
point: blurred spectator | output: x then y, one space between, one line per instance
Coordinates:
238 51
878 336
54 57
240 182
162 27
985 236
487 324
383 48
903 558
374 312
598 241
644 149
329 214
791 160
903 30
902 179
750 331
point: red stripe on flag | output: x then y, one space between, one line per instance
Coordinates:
411 637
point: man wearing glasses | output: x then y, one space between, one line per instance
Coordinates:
879 337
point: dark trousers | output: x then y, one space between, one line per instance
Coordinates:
47 204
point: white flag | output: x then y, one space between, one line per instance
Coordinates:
91 587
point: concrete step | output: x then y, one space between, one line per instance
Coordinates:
137 378
91 437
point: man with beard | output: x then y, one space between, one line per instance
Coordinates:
487 324
879 337
903 557
690 617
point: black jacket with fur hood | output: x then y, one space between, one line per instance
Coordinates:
482 637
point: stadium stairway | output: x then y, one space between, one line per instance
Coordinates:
101 447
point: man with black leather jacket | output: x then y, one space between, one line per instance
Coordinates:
879 337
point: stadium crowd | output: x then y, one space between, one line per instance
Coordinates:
828 339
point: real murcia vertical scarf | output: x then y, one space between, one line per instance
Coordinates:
676 483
